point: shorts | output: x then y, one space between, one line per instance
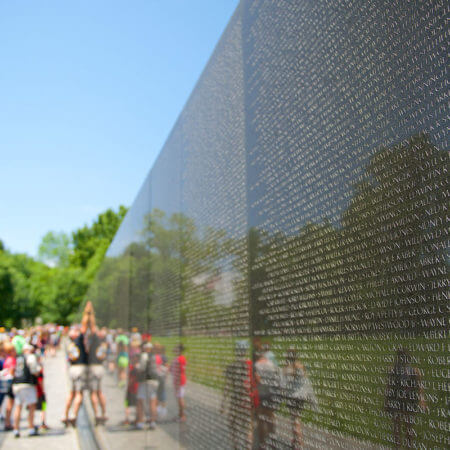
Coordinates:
147 389
78 376
179 391
95 375
5 386
122 362
25 395
10 392
161 393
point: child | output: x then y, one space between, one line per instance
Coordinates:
122 363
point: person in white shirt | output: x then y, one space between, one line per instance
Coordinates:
24 387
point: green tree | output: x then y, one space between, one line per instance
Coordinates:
17 303
6 294
54 249
54 286
396 235
88 239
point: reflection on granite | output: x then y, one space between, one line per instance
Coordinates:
293 234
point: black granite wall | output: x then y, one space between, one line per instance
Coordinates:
293 233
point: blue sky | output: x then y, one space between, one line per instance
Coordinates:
89 91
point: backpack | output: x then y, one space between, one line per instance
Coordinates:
151 369
269 381
22 372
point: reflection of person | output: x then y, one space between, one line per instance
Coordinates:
111 352
148 385
239 392
122 358
178 370
163 365
294 375
132 387
267 376
96 356
404 396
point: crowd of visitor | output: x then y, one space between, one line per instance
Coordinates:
140 367
22 374
256 385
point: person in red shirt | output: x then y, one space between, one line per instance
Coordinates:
8 369
178 370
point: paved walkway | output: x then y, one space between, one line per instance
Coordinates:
203 406
114 435
205 428
57 437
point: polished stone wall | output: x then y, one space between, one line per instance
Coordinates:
293 233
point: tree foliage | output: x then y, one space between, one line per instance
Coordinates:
386 250
88 239
54 286
54 249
